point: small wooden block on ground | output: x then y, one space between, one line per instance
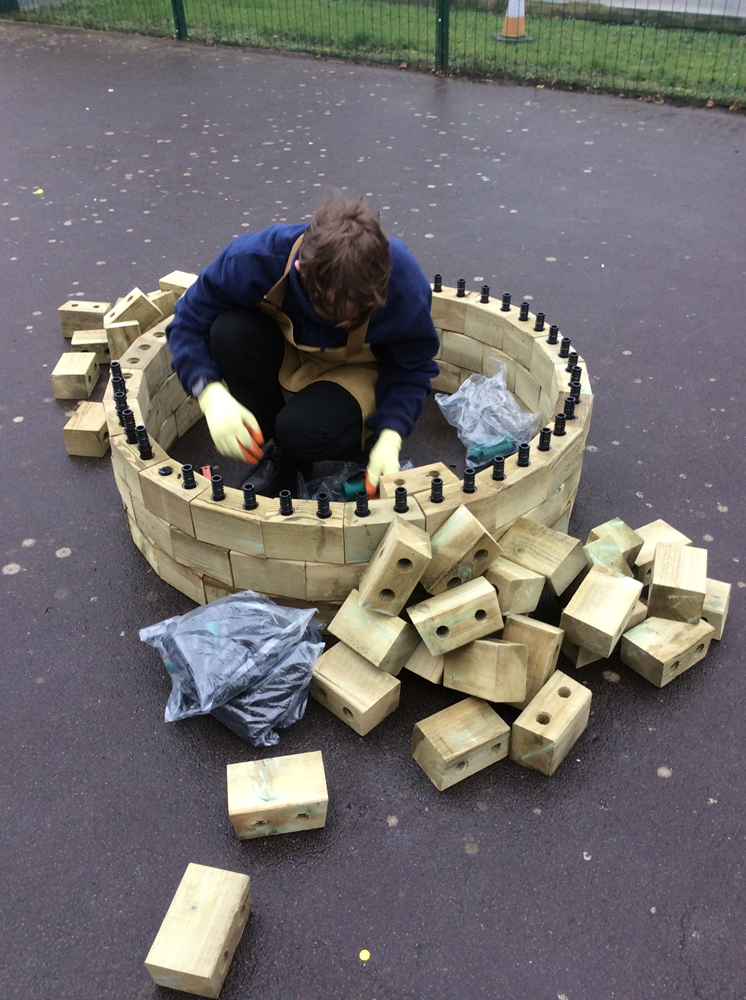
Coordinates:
462 549
518 589
625 539
489 669
201 930
86 432
651 534
415 480
74 376
425 665
556 556
678 582
551 724
458 616
660 649
715 609
543 642
75 315
459 741
277 795
385 641
353 689
395 567
598 613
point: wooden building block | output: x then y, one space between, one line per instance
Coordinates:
639 614
425 665
598 613
75 375
625 539
353 689
165 300
462 549
332 581
177 281
211 560
395 567
678 582
415 480
543 642
578 656
556 556
494 361
518 341
458 616
121 336
153 527
277 795
187 415
545 361
170 394
715 608
148 354
527 389
383 640
269 576
551 724
518 589
651 534
448 310
226 523
135 305
567 457
303 535
167 435
363 535
448 379
93 342
185 579
459 741
605 552
76 315
128 465
522 491
489 669
660 649
456 349
166 496
147 548
482 322
481 503
201 930
86 432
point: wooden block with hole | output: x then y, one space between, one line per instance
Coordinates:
556 556
165 300
460 741
86 432
177 281
416 480
148 355
94 342
551 724
488 668
458 616
75 375
425 665
303 535
628 541
481 503
395 567
543 643
518 589
226 523
135 305
128 465
580 657
651 534
606 553
385 641
277 795
462 549
121 336
77 315
353 689
660 649
201 930
598 613
363 535
678 582
165 494
715 608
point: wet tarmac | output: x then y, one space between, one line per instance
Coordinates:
621 877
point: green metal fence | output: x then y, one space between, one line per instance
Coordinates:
686 49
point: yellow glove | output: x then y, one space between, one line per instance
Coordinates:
384 457
233 428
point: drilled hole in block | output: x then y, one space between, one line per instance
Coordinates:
398 482
480 554
225 955
160 336
442 631
386 594
404 565
260 822
321 693
453 582
126 375
132 361
144 347
699 648
543 718
497 748
462 764
347 712
243 907
74 305
433 473
564 692
676 664
480 615
302 816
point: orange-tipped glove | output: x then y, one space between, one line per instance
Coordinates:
384 457
234 429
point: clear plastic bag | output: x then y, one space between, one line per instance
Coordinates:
487 417
243 659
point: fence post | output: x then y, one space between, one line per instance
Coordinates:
442 18
180 19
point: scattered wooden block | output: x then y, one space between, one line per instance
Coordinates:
651 534
75 375
629 542
425 665
678 582
353 689
715 608
518 589
86 432
459 741
135 305
121 336
639 614
462 549
554 555
165 300
578 656
75 315
606 553
201 930
363 535
660 649
551 724
415 480
458 616
277 795
93 342
177 281
598 613
543 642
489 669
383 640
395 567
303 535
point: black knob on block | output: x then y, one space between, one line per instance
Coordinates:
461 288
438 283
523 453
559 425
539 324
564 351
323 509
165 470
545 439
361 504
572 360
128 422
523 315
187 475
553 334
570 408
218 493
286 503
505 307
469 484
143 443
115 368
498 468
400 500
436 490
250 501
485 296
120 404
575 390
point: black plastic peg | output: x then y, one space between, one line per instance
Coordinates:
118 384
485 296
143 443
165 470
128 422
505 307
570 408
218 493
436 490
286 503
564 351
498 468
461 288
553 334
400 500
523 455
559 425
323 510
120 404
250 501
361 504
572 360
539 324
545 439
438 283
575 390
470 485
115 368
523 315
187 475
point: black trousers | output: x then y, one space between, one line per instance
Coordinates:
322 421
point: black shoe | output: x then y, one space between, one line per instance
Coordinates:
272 474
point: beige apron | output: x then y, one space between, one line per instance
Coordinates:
354 366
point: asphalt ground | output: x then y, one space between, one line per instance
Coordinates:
123 158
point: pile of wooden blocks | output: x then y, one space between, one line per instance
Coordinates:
480 587
100 333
